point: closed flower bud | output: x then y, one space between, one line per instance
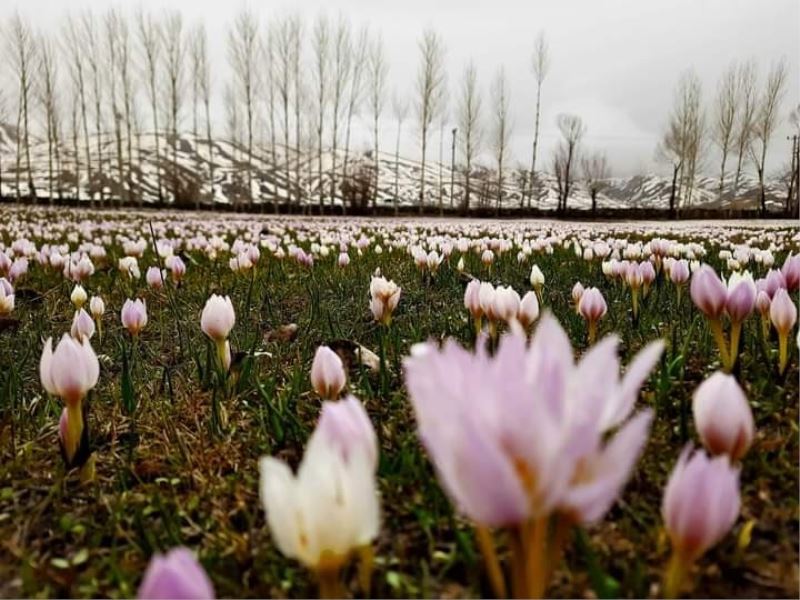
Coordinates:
327 373
722 416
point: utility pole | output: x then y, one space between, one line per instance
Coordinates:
452 165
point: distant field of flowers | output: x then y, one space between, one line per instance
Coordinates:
196 405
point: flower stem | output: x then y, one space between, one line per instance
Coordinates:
329 584
489 553
719 337
677 568
535 553
736 334
783 352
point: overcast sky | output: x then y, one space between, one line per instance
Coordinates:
614 62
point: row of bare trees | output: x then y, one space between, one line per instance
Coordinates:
739 124
114 94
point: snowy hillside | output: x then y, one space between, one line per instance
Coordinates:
276 173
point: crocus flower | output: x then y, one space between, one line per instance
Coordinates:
176 575
774 281
134 316
327 373
82 325
739 304
592 307
505 305
69 372
701 503
177 268
97 307
791 272
710 294
722 416
783 314
577 293
154 278
344 259
528 310
384 297
6 299
329 509
537 279
78 296
218 318
523 434
472 302
679 272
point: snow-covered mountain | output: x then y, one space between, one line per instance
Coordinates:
276 173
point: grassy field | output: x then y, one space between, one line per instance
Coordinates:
171 470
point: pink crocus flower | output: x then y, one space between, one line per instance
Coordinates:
791 272
327 373
517 435
700 505
134 316
176 575
722 416
708 292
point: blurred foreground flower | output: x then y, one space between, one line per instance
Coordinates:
176 575
329 510
521 439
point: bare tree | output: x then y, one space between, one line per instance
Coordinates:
3 120
342 59
596 174
74 43
150 39
93 56
271 83
297 80
766 121
469 123
748 103
126 79
174 70
793 191
201 68
572 131
359 65
378 70
400 109
282 35
693 124
502 129
112 22
243 56
682 140
541 66
22 55
48 89
321 48
725 109
430 90
443 119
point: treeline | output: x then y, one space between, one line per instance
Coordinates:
113 93
739 125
